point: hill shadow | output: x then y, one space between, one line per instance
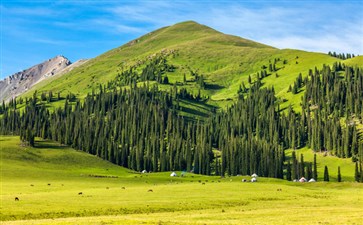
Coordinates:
44 144
214 86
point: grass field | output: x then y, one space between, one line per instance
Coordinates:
225 62
48 179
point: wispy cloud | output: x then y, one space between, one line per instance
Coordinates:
83 29
116 27
303 25
50 41
301 28
34 11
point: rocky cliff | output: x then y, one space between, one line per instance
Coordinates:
20 82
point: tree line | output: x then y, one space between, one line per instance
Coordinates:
140 127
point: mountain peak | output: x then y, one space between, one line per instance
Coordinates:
20 82
191 25
187 33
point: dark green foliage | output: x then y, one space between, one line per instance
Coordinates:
328 97
152 69
140 128
341 55
315 173
356 172
294 169
166 80
27 137
326 174
288 171
297 85
200 81
339 178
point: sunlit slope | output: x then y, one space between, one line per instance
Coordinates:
225 62
356 61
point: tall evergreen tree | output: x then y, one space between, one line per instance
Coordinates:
315 173
356 172
339 178
326 174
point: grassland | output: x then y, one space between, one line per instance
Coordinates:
225 61
48 179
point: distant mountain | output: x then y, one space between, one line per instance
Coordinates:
20 82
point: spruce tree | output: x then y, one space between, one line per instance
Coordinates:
356 173
339 175
315 174
326 174
288 171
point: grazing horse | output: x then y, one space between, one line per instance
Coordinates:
16 199
80 193
150 190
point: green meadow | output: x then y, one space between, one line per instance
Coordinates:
225 61
58 185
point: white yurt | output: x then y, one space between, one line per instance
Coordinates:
254 175
173 174
312 180
144 171
254 179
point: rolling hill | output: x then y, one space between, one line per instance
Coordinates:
225 62
189 99
192 59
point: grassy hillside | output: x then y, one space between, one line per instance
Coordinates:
356 61
225 61
332 162
47 180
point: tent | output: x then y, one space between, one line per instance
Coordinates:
254 175
144 171
312 180
173 174
254 179
302 180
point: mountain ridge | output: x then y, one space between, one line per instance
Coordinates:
20 82
225 61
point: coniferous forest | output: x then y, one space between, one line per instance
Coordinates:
139 127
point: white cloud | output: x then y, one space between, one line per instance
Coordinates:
307 26
116 27
25 11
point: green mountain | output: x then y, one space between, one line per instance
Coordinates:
187 97
99 142
224 61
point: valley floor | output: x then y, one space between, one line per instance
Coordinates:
58 185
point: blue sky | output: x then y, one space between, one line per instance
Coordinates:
33 31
